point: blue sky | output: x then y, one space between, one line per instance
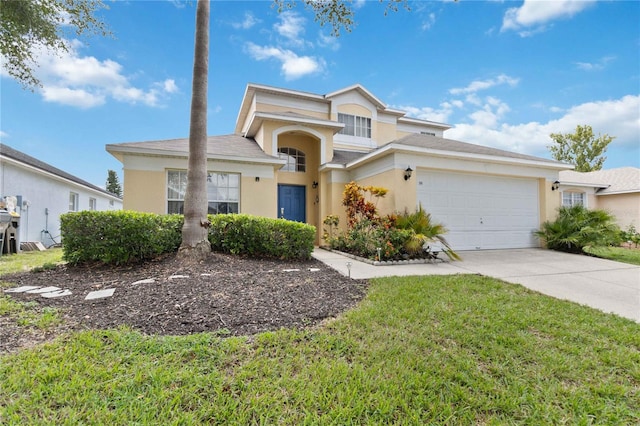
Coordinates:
504 73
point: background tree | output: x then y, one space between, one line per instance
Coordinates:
195 242
113 185
581 148
28 26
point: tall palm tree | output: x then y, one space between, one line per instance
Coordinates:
194 232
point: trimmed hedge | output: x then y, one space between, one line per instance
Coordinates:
261 236
120 237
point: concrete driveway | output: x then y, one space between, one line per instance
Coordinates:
602 284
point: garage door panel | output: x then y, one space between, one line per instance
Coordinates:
482 212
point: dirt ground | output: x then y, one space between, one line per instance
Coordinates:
232 294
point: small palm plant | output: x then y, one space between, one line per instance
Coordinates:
424 230
577 228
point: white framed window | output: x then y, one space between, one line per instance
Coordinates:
570 199
355 125
93 204
296 160
73 201
223 192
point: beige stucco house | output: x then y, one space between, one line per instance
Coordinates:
293 152
615 190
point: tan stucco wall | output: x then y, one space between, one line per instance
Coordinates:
259 198
550 201
145 191
386 132
625 207
401 193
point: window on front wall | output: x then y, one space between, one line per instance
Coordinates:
296 161
73 201
354 125
93 204
223 192
570 199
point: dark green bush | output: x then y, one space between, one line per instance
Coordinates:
260 236
118 237
121 237
577 227
366 236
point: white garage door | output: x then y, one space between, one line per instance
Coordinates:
481 212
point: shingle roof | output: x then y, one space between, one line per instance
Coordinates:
345 157
7 151
623 179
442 144
217 146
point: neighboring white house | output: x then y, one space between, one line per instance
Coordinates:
44 193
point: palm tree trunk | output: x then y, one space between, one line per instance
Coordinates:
194 232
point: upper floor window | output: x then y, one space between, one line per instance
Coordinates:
73 201
354 125
223 192
296 161
570 199
428 133
93 204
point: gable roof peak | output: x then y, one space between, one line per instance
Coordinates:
362 90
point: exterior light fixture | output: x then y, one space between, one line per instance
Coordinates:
407 173
555 185
257 178
315 184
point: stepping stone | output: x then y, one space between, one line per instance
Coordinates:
100 294
43 290
58 293
205 275
147 281
177 277
21 289
290 270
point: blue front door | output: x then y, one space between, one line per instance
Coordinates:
291 202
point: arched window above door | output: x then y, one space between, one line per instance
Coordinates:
296 161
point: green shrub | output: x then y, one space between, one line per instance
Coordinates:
366 236
577 227
423 230
260 236
630 235
118 237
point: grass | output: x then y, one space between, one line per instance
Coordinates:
620 254
28 260
452 350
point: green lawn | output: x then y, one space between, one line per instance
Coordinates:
448 350
27 260
620 254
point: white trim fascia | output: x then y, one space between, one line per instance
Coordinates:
586 185
622 191
257 117
453 154
183 154
58 178
332 166
411 120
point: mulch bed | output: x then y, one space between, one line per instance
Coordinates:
233 294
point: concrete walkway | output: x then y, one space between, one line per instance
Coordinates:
602 284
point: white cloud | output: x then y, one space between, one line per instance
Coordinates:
291 26
292 65
617 117
3 135
428 22
248 22
87 82
328 41
537 13
478 85
595 66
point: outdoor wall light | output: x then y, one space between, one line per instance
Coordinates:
407 173
257 178
555 185
315 184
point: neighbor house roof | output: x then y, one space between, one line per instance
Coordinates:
226 147
613 181
434 145
21 157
